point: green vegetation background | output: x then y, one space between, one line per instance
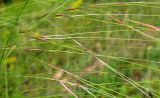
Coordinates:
37 35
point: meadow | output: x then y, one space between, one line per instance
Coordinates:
80 49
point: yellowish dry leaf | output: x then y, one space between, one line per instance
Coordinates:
76 3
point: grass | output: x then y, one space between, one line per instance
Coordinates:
79 49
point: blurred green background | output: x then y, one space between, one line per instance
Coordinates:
79 48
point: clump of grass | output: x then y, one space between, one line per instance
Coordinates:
65 48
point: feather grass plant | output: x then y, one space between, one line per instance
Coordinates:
80 49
